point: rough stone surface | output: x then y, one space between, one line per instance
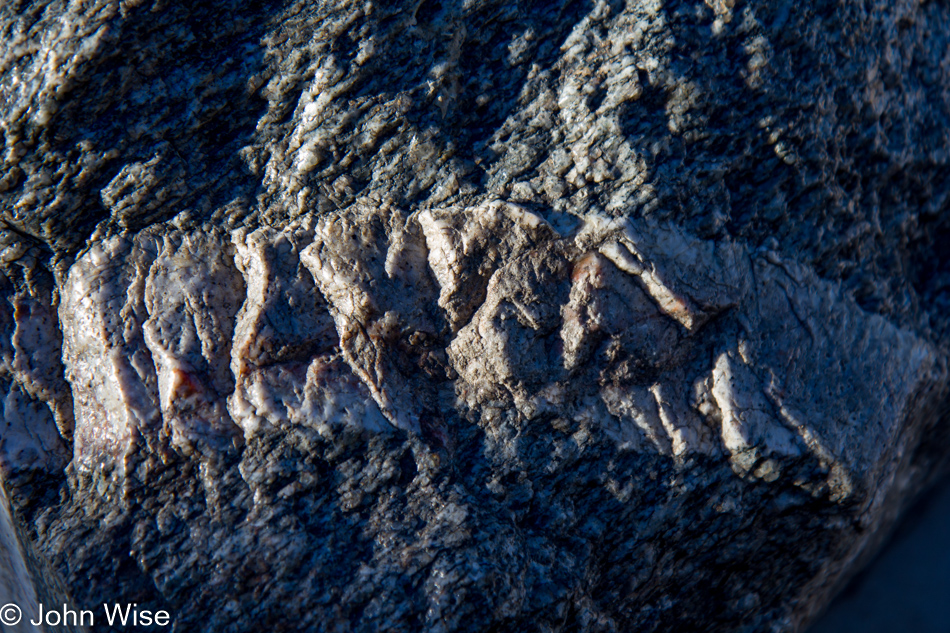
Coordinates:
468 316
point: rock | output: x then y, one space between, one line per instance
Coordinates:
576 316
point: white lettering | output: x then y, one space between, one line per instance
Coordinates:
39 618
117 614
65 617
129 615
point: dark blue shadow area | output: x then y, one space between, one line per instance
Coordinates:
907 587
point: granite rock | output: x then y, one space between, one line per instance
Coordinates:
463 316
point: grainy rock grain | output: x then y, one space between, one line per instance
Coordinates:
584 315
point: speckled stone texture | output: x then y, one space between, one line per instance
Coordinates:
471 316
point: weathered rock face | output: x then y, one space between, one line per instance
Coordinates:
578 316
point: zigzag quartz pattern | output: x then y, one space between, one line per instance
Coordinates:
376 321
409 345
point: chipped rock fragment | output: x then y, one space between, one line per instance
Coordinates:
192 294
110 367
371 269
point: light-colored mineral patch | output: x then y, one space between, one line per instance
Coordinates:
285 357
467 245
372 270
110 368
35 403
355 318
192 295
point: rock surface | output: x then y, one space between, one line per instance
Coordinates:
464 316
